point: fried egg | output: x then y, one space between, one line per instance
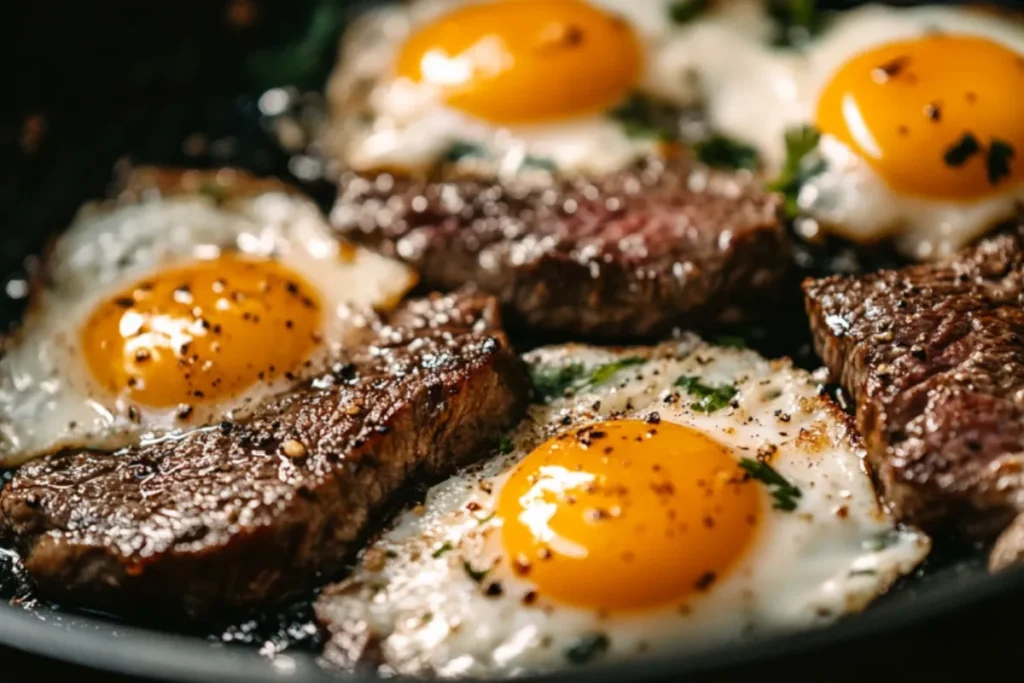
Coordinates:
656 500
504 85
916 107
179 311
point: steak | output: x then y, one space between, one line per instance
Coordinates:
630 254
933 356
242 513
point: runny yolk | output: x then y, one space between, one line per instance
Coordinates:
627 515
939 117
524 61
202 332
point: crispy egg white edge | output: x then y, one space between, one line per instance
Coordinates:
48 399
413 129
432 618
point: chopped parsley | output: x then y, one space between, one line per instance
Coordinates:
587 647
862 572
784 493
603 373
802 163
542 163
214 191
709 399
464 150
962 150
475 574
731 341
796 21
997 162
306 55
882 541
719 151
441 550
644 117
552 382
685 11
484 520
505 445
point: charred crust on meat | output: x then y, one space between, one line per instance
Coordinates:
933 359
280 495
606 256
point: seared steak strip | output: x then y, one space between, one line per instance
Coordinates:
933 356
238 514
630 254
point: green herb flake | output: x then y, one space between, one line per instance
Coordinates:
881 541
862 572
709 399
719 151
214 191
553 382
505 445
796 21
997 161
587 647
731 341
464 150
475 574
784 493
685 11
484 520
802 163
643 117
307 53
541 163
441 550
961 151
603 373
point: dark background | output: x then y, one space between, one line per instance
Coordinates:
86 85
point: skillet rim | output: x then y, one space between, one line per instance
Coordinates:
124 649
137 651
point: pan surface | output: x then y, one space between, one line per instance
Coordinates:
180 83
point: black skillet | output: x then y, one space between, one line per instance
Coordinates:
87 86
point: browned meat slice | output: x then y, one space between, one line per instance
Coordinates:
630 254
242 513
933 356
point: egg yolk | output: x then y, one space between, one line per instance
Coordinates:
938 117
627 515
523 61
202 332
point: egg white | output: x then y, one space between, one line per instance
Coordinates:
401 124
48 397
413 596
755 92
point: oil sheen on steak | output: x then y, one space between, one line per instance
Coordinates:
631 254
933 356
238 514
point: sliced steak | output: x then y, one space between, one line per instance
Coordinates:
238 514
631 254
933 356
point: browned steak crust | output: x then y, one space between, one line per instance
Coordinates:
933 356
242 513
631 254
